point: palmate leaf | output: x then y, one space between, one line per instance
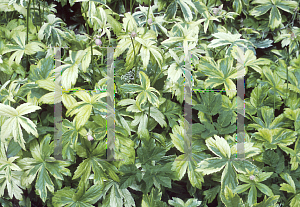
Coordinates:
270 202
231 199
188 33
69 139
249 59
211 103
154 199
253 184
290 187
170 110
41 165
144 90
84 108
294 155
150 152
208 19
130 173
141 117
51 32
273 137
275 82
21 47
16 120
147 49
65 197
184 6
70 68
113 196
10 177
221 148
102 169
42 70
158 176
191 202
228 39
275 16
220 73
268 121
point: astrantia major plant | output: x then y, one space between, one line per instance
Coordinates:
151 163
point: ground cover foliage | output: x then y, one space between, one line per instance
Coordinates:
152 38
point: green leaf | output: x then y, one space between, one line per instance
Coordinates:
42 70
157 175
64 197
220 73
41 165
187 13
171 10
263 176
150 152
290 187
231 199
211 165
275 18
131 174
177 202
51 31
211 193
12 125
228 178
131 88
10 175
21 47
171 111
14 147
242 188
270 202
264 189
241 166
219 147
275 137
295 201
260 10
237 5
154 199
209 105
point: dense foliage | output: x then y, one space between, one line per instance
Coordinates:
151 40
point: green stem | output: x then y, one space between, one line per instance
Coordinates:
134 60
44 10
274 99
39 117
147 17
34 15
27 34
198 96
290 198
92 58
100 71
149 112
155 70
131 5
40 14
88 32
287 75
220 51
158 76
